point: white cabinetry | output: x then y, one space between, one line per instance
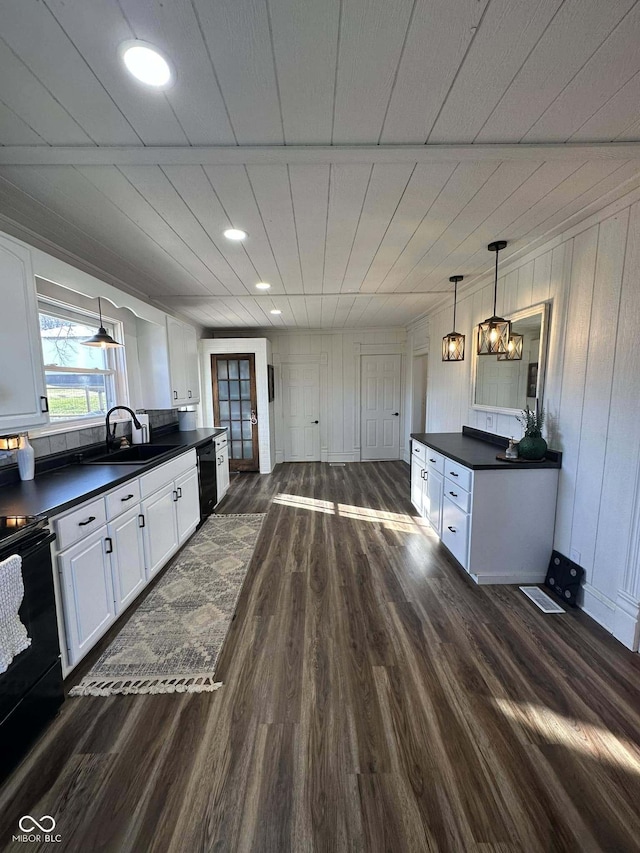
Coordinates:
497 523
417 482
110 547
161 528
188 504
168 359
222 466
127 557
87 591
23 400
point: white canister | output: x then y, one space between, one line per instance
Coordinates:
26 458
186 420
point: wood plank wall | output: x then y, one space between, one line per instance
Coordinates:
338 391
592 395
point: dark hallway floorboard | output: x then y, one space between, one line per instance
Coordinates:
374 699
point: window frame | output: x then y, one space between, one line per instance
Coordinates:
116 371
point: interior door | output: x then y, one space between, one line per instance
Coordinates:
380 407
301 412
233 378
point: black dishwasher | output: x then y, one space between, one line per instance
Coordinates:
31 688
207 465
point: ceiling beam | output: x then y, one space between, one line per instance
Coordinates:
131 155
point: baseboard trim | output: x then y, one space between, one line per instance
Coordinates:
485 580
626 621
598 606
341 457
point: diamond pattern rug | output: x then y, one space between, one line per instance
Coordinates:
172 642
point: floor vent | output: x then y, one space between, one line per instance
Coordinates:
541 599
336 464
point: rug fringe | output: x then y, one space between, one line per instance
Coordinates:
124 686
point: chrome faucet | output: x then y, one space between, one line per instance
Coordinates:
111 436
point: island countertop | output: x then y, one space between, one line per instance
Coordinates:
62 488
477 450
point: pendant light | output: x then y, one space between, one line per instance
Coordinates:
494 332
514 349
453 343
102 338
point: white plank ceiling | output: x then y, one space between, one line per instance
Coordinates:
355 239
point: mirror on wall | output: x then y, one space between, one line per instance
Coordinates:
508 383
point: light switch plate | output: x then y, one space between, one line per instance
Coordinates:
489 421
575 555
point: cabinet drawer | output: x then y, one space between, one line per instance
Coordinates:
123 498
221 440
79 523
458 495
418 451
163 474
435 460
461 476
455 531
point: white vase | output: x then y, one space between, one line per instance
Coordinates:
26 459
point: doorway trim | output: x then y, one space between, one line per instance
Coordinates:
326 411
360 349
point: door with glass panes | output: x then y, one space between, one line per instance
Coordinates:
234 406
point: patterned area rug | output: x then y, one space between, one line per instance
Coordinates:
172 642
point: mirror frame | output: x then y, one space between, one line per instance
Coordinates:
543 308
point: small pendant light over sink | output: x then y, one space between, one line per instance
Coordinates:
494 332
102 338
453 343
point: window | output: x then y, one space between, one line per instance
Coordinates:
81 381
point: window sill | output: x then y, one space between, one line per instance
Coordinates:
70 426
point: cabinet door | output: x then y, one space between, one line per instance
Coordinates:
222 480
417 469
455 531
188 505
434 491
191 364
23 399
160 528
127 557
177 363
87 592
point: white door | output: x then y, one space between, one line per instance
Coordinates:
417 480
160 528
127 557
87 591
380 407
23 399
177 361
432 501
301 412
222 472
188 505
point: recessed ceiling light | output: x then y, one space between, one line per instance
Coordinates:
275 311
146 63
235 234
262 285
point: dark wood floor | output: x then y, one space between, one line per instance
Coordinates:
374 700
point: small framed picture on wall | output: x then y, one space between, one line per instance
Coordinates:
532 379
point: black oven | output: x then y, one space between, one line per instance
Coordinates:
207 466
31 688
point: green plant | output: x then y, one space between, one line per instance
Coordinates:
532 421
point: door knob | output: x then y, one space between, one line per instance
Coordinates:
396 414
315 422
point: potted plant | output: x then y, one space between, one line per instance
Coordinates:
532 445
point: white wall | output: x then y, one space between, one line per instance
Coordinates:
338 353
591 275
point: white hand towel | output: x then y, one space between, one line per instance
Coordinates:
13 635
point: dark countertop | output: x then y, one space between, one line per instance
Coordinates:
478 454
59 490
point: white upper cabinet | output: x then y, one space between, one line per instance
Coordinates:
23 400
168 364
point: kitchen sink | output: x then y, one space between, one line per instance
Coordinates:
130 455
